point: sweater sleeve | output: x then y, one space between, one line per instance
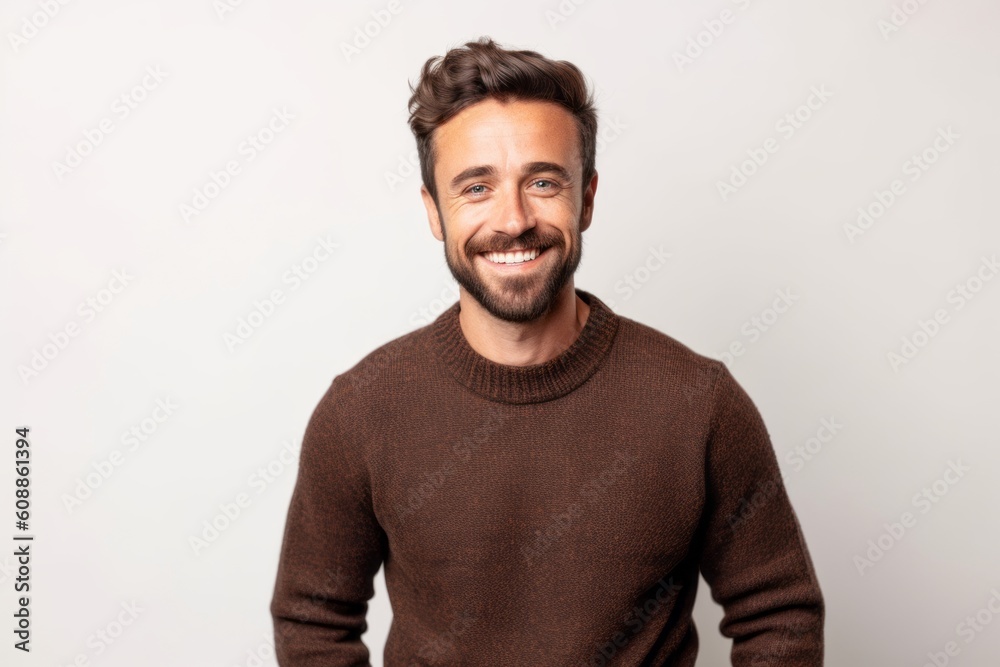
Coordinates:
332 549
754 555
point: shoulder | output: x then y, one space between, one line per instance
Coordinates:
383 372
673 361
666 368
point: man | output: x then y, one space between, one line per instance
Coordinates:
542 478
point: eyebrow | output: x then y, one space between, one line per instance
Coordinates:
529 169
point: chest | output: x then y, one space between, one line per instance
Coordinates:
521 486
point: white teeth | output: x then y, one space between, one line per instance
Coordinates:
512 257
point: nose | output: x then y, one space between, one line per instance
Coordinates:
514 214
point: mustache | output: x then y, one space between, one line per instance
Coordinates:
501 243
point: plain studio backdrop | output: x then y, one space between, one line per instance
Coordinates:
210 209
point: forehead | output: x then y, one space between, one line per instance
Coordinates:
516 130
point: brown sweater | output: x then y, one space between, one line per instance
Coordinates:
542 516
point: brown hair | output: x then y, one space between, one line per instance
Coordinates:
482 69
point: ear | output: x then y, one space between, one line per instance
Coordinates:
432 213
588 203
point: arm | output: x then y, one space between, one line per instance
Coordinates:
332 548
754 556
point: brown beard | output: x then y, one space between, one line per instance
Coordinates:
519 299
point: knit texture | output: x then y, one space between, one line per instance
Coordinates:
549 515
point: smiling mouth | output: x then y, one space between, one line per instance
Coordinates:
513 258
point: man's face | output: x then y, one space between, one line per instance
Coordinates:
509 180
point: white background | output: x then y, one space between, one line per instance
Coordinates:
673 132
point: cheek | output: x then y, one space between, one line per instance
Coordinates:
554 210
460 231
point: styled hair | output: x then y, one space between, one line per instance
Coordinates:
482 69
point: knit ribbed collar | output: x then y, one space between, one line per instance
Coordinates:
526 384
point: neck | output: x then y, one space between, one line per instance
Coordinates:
524 343
527 383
